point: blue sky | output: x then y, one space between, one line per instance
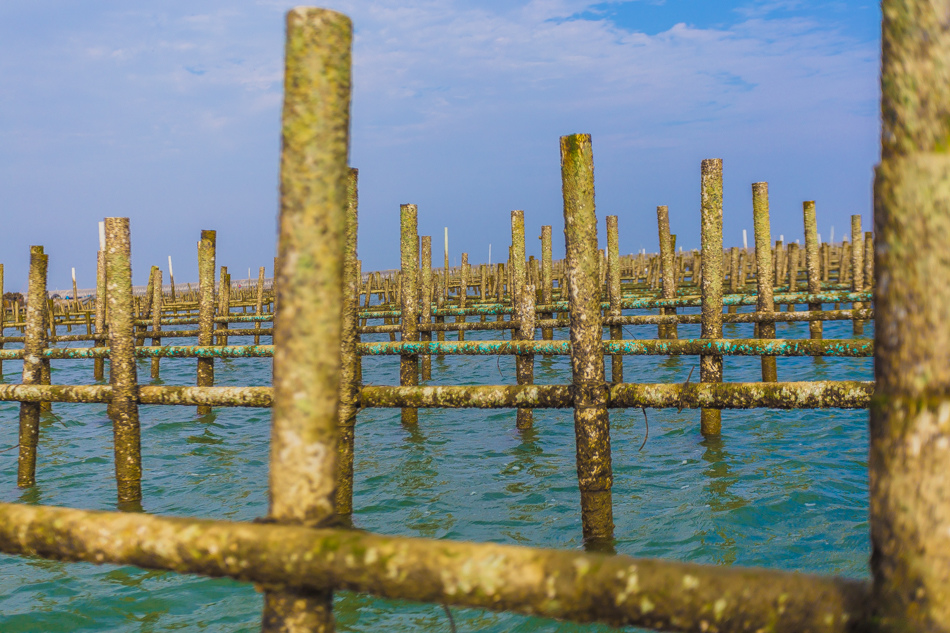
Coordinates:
169 113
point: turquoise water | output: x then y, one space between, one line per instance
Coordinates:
782 489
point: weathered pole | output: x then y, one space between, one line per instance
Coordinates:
812 263
409 330
591 418
613 288
98 367
547 279
259 306
857 267
525 417
206 257
763 273
426 292
156 318
525 365
910 412
667 257
309 275
124 408
710 367
32 365
349 356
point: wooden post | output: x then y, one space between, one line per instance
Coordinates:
259 306
710 367
812 263
525 366
614 294
349 354
309 275
591 418
124 408
857 268
32 365
206 257
763 272
463 293
547 279
409 331
909 421
667 261
224 303
171 278
426 292
156 318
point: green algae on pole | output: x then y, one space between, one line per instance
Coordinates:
710 366
123 409
524 365
206 257
910 413
763 274
349 358
547 283
857 267
409 253
156 318
425 289
667 264
32 366
99 364
812 263
614 294
259 306
525 362
307 327
591 419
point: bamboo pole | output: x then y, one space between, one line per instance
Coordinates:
763 274
32 366
909 422
206 264
710 366
307 327
123 409
591 419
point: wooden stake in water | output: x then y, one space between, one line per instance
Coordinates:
426 292
614 294
32 366
547 279
763 274
591 418
857 267
524 365
124 409
99 363
349 355
307 329
206 256
910 412
409 248
667 266
171 278
156 318
710 367
259 306
812 263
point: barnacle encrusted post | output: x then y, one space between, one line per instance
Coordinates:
667 269
349 355
547 279
307 327
812 263
124 409
591 419
710 366
156 318
98 367
32 365
910 412
614 294
857 268
409 329
524 365
425 290
206 257
763 271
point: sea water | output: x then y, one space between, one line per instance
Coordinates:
778 489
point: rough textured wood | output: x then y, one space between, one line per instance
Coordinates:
710 367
